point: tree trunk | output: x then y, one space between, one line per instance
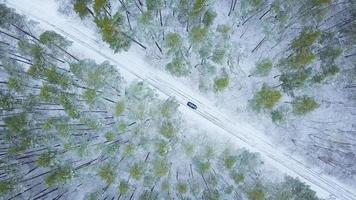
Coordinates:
350 55
265 13
128 19
43 195
231 5
7 34
148 154
135 41
28 189
258 45
159 48
133 193
206 184
5 43
139 1
31 178
90 11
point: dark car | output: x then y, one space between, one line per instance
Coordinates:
192 105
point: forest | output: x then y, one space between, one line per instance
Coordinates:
75 127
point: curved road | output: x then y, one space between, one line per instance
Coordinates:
245 134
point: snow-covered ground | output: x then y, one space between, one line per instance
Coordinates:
132 65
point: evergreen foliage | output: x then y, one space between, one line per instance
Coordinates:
68 122
221 84
266 98
80 7
303 105
263 67
177 67
59 176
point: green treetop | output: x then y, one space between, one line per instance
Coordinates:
263 67
8 16
136 171
107 173
99 6
59 176
303 105
51 39
120 108
80 7
306 39
266 98
178 67
6 186
221 83
154 4
182 187
209 17
229 160
256 193
173 42
198 34
123 187
161 168
168 130
198 8
113 32
6 101
294 189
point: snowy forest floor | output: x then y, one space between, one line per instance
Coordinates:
132 65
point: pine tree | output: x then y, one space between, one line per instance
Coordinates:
6 187
113 32
303 105
294 189
120 108
99 6
263 67
52 39
266 98
182 188
81 8
59 176
161 168
209 17
136 171
173 42
221 83
256 193
177 67
198 35
107 173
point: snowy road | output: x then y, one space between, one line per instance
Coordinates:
129 63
